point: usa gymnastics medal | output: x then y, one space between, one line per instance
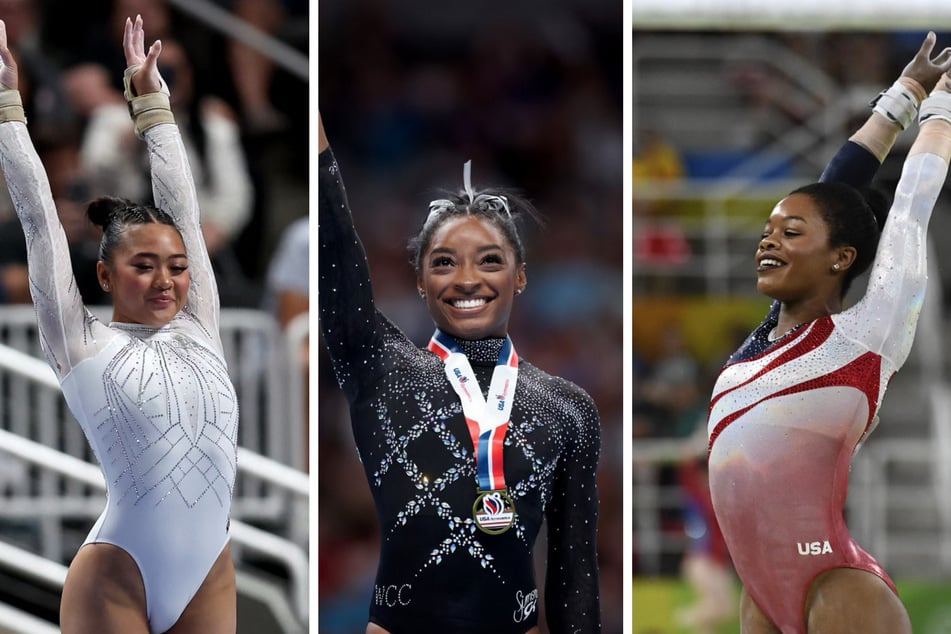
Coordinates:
493 511
487 420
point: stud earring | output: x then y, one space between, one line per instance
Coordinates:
835 267
105 287
422 293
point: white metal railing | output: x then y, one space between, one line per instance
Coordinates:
804 81
24 623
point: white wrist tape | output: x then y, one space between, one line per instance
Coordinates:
936 105
897 104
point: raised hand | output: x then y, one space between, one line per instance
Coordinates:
925 70
8 66
146 79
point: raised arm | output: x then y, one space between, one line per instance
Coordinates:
894 109
62 319
348 317
885 318
173 187
858 159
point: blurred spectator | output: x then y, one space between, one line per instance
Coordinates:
706 565
70 194
287 297
670 393
288 278
253 72
656 163
45 102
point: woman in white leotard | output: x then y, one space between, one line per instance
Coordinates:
150 389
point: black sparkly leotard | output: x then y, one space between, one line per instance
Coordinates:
437 571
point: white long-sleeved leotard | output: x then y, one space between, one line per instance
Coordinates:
156 404
785 421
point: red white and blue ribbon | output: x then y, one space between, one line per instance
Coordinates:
487 419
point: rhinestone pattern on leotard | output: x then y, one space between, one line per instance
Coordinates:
417 454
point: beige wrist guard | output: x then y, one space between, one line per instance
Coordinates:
11 106
148 110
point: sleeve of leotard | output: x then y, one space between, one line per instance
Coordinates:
886 317
345 303
572 601
853 165
173 189
61 316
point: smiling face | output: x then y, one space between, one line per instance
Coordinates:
469 274
794 261
147 275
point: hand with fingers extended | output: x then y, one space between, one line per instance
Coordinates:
8 66
924 69
146 78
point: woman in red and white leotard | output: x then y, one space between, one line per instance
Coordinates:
793 403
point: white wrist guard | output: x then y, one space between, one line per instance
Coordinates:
936 105
897 104
11 106
147 110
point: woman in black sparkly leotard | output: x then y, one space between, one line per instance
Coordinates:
458 525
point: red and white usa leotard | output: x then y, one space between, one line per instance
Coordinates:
786 417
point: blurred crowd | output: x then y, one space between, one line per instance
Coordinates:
243 120
531 93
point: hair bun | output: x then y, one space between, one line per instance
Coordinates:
101 210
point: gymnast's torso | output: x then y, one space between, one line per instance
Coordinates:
786 416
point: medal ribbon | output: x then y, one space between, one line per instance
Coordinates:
487 420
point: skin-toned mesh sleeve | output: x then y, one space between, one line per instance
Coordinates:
886 317
572 602
173 188
348 316
64 324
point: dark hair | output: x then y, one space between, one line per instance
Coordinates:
854 217
115 214
501 207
